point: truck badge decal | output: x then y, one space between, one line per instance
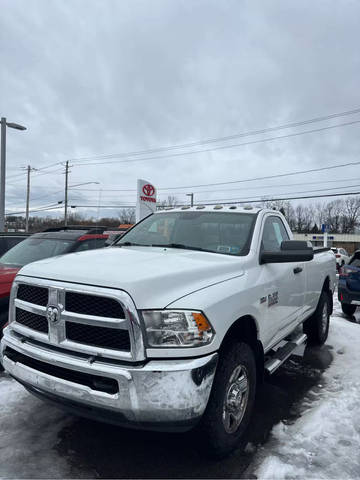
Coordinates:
273 298
52 314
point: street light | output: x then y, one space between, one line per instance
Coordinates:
16 126
66 193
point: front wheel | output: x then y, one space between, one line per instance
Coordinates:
317 326
348 309
224 424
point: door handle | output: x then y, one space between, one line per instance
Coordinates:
298 270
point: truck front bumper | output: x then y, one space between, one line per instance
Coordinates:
166 395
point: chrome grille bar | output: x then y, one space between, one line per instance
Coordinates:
57 329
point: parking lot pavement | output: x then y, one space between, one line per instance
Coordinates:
39 441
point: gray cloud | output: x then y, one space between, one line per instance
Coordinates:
95 77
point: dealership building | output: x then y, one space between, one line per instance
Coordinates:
349 241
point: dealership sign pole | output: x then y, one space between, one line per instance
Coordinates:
145 200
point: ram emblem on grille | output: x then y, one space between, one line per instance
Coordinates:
52 314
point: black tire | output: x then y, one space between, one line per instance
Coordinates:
348 309
317 327
216 439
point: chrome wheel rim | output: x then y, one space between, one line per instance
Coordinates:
236 399
324 319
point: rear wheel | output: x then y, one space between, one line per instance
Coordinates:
317 326
348 309
224 424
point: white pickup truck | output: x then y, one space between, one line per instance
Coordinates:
175 325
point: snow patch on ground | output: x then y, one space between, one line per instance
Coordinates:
325 441
28 435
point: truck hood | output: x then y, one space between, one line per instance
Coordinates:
153 276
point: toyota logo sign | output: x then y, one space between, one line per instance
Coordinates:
148 190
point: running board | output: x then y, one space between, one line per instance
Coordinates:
284 353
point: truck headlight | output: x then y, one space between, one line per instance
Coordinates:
177 328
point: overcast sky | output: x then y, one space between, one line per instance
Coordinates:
102 77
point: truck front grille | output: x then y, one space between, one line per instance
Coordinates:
32 320
97 321
93 305
95 382
33 294
103 337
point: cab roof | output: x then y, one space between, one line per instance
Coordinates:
74 232
214 208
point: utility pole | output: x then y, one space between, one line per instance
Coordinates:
191 195
29 169
4 124
66 191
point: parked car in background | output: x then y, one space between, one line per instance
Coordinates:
114 236
124 227
349 285
50 243
9 240
342 256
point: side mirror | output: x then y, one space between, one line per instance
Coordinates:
290 251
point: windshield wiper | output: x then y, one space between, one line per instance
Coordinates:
131 244
180 245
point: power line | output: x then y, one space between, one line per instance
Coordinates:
48 194
267 177
221 139
222 147
103 206
208 203
39 209
289 198
280 175
218 139
259 200
35 174
263 197
230 189
244 180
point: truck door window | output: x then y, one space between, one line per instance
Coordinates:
274 233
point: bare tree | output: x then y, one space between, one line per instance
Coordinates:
300 220
127 215
171 201
351 210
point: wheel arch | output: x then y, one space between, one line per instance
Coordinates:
245 329
326 288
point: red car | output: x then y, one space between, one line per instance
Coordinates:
51 242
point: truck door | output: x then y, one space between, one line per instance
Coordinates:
283 284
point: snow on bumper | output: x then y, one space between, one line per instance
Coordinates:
165 394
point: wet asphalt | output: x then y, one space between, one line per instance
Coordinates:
108 451
96 450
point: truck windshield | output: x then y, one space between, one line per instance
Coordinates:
219 232
33 249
